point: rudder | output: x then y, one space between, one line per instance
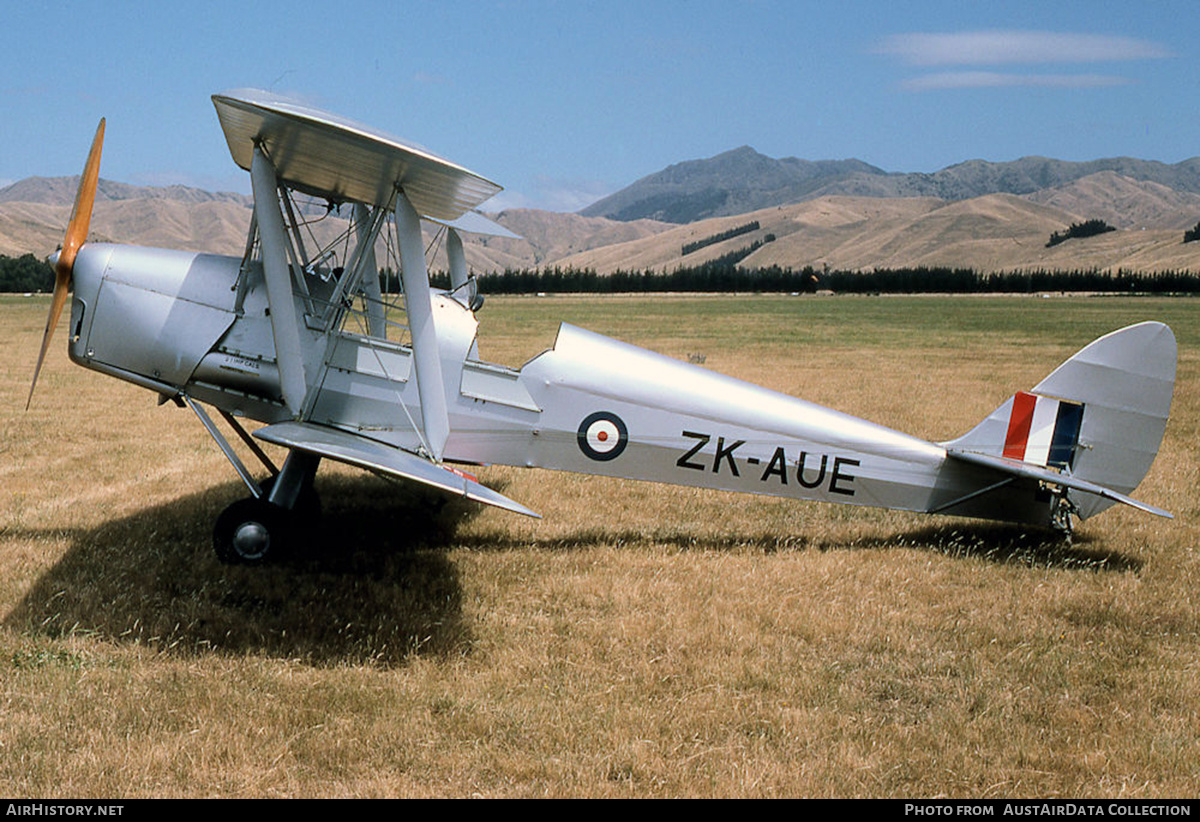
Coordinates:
1099 417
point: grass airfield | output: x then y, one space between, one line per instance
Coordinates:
641 640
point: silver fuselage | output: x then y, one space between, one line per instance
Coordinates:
177 323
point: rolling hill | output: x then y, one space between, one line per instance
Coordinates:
734 182
990 231
34 212
995 232
743 180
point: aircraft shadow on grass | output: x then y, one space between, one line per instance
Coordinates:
1007 543
996 542
367 583
373 582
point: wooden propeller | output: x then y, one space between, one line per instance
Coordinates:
76 236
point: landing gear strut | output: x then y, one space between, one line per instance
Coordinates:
262 527
1061 509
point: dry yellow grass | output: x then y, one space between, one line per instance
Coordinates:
642 640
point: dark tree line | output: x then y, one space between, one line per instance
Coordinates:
968 281
725 275
713 277
712 239
25 273
1088 228
28 273
707 278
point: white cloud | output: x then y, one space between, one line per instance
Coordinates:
991 79
1012 46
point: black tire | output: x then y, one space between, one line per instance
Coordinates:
252 532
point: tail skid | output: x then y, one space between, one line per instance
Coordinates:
1093 426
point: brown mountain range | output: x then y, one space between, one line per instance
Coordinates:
991 232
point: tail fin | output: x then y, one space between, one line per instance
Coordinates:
1099 417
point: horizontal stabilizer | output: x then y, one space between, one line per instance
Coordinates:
353 449
1048 475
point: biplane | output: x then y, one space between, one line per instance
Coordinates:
305 341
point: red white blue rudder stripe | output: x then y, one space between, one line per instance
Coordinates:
1043 430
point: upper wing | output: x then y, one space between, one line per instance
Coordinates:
343 446
328 156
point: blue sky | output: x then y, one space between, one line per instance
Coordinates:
563 102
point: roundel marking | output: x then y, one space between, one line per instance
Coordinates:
602 436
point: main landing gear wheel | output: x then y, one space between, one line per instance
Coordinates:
252 532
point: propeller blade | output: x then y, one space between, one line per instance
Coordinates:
76 236
81 214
